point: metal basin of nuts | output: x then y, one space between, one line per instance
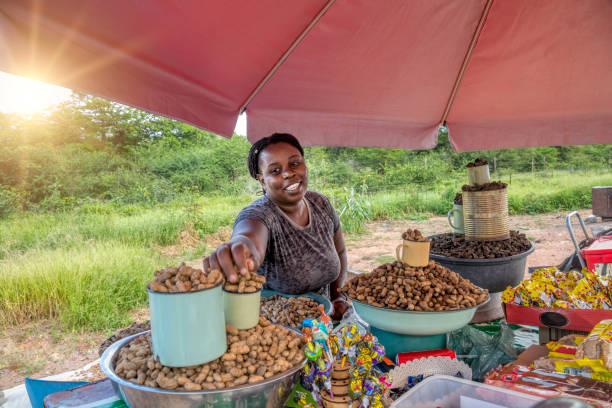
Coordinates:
291 310
409 300
256 390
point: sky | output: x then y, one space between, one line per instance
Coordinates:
23 95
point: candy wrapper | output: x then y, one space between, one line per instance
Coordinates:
301 400
547 384
402 358
549 287
598 345
589 356
347 353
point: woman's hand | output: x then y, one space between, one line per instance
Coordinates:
339 308
239 254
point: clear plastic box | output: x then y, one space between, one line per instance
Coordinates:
450 392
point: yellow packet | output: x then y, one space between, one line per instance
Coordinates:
562 304
508 295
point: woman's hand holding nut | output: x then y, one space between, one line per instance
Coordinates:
239 254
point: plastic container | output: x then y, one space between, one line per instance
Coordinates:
485 215
187 328
340 387
413 253
456 213
567 319
242 309
340 372
478 175
493 274
401 343
451 392
598 253
336 402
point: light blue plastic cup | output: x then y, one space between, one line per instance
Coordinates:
187 328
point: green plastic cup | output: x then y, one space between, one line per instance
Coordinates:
242 309
187 328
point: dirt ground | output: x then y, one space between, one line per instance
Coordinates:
39 350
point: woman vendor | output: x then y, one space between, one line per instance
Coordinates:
290 235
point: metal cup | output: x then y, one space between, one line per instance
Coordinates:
413 253
187 328
457 222
242 309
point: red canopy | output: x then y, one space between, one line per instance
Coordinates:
503 73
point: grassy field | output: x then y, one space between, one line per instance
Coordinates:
87 267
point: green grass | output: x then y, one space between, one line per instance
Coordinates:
88 267
90 286
560 191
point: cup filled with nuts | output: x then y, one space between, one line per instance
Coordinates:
478 172
241 300
187 320
414 250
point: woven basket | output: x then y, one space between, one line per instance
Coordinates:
485 215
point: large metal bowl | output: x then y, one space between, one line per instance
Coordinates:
415 323
320 299
327 305
272 392
493 274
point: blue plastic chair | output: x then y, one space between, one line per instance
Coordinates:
38 389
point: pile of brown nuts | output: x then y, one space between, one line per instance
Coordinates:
249 283
289 311
184 279
477 162
430 288
413 235
494 185
252 356
458 199
121 334
455 246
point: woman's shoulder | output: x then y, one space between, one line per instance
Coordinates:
316 197
258 210
260 203
318 200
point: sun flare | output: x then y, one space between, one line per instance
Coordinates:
23 95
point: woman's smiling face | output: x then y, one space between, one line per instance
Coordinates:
283 173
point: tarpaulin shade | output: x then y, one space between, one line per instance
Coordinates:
503 73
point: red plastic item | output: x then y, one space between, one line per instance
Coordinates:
402 358
599 252
567 319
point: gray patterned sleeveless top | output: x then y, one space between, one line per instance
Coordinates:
298 259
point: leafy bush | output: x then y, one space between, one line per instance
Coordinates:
10 201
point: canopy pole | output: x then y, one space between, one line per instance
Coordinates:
466 60
282 59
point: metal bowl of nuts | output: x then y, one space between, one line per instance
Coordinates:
264 392
402 299
291 310
415 323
